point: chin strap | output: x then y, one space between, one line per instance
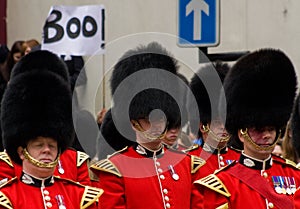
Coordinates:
245 134
213 136
148 135
39 163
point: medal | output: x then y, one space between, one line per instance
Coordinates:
282 184
288 186
60 201
173 173
60 168
276 184
292 185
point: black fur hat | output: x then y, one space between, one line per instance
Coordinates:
295 125
145 76
43 60
36 103
207 78
112 136
260 90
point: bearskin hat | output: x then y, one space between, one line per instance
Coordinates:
109 131
260 89
208 77
145 77
36 103
295 125
43 60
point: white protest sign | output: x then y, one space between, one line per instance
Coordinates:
74 30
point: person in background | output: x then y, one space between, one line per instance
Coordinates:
72 164
211 129
38 105
128 175
256 109
31 44
17 51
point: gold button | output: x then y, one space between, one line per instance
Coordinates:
265 175
167 198
221 157
271 205
158 163
168 205
46 192
165 191
159 170
49 204
222 163
47 198
162 177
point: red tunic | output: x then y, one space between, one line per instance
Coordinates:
215 159
225 190
72 165
133 179
27 192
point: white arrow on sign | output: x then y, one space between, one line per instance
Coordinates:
197 6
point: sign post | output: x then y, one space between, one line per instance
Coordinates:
198 23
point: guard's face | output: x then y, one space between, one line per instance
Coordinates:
262 137
43 149
171 136
154 128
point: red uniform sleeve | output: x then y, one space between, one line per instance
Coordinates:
114 191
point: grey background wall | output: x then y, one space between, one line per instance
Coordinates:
245 25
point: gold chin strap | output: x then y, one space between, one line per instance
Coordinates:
147 135
39 163
256 146
213 136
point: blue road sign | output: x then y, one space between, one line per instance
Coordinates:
198 23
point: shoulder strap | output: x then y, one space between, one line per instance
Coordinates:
214 183
90 195
107 166
259 184
81 158
4 201
4 156
197 163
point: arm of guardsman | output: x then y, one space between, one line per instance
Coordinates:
112 182
8 169
83 176
210 193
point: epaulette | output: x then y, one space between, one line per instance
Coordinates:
197 163
285 161
118 152
107 166
8 182
81 158
90 196
225 167
193 147
5 202
214 183
4 157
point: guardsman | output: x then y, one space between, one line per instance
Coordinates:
72 164
214 137
260 90
295 125
147 174
37 127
